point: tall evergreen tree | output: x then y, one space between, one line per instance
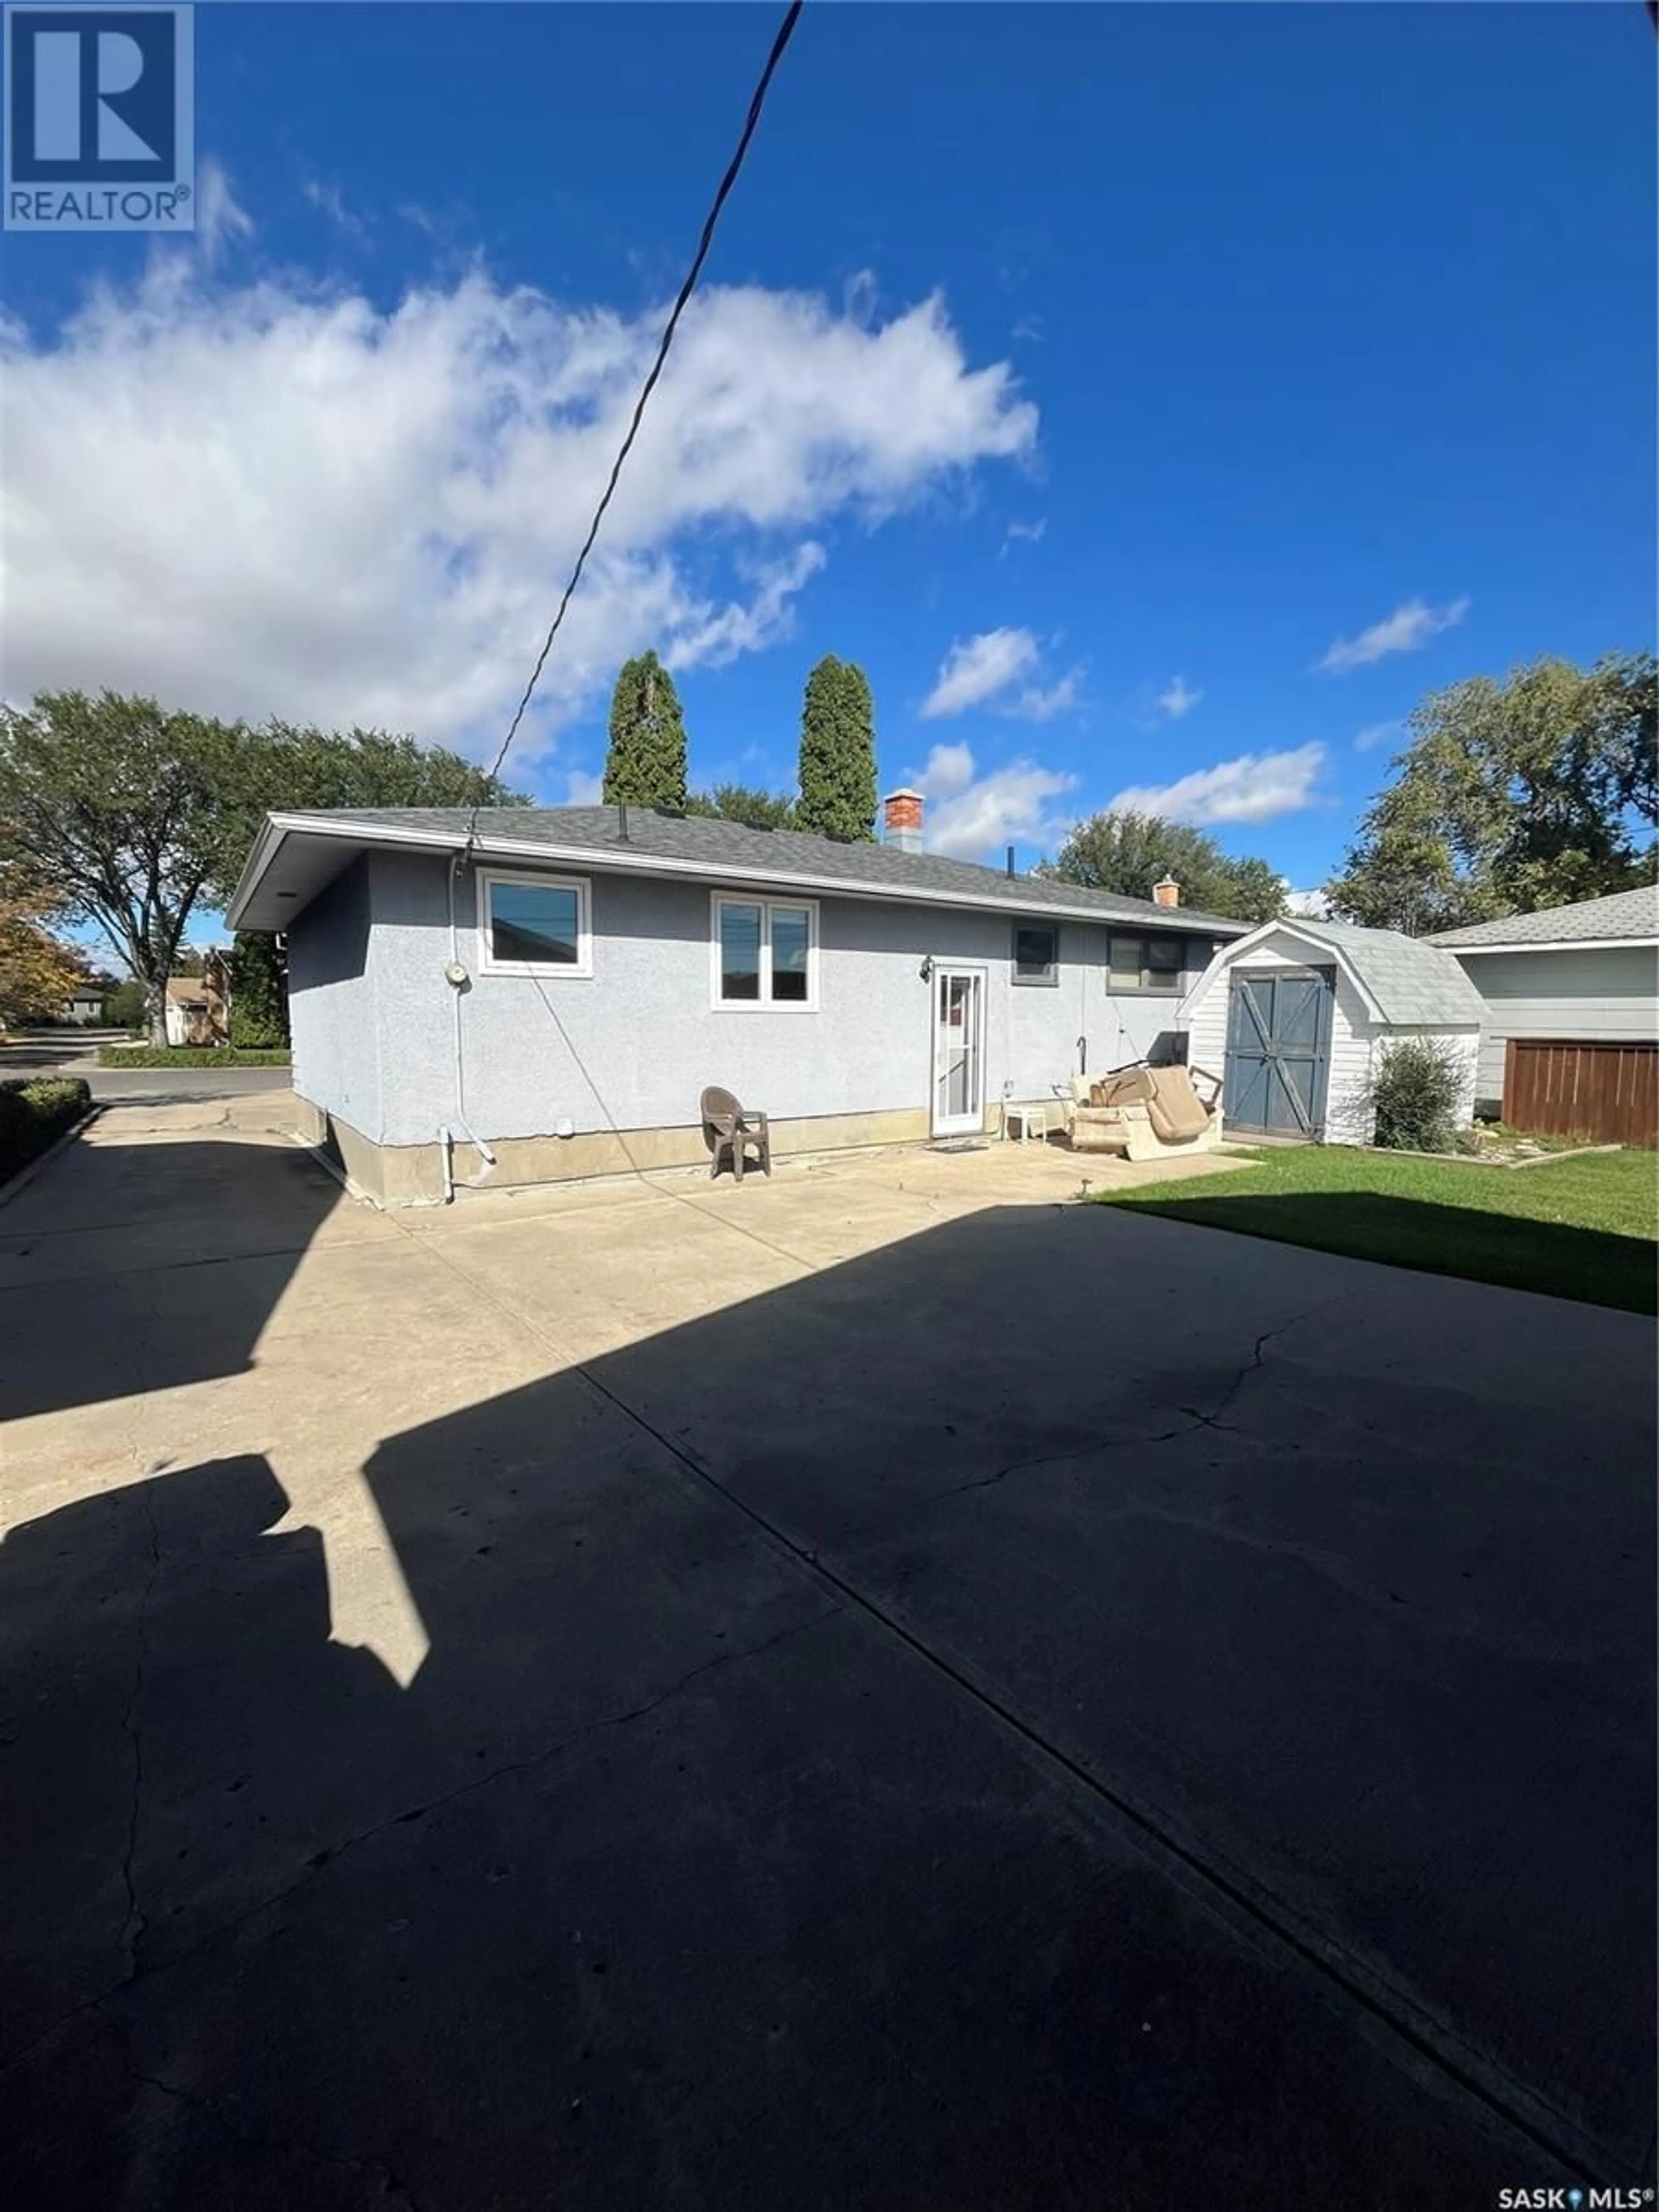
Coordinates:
645 764
837 753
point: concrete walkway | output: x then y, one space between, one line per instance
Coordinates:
882 1688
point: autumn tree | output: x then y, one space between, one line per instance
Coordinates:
837 772
37 972
1534 792
645 764
1128 853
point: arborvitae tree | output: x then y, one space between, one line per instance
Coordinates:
837 753
258 992
645 764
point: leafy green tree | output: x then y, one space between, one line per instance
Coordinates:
134 815
124 1007
1128 853
745 802
1535 792
645 764
837 753
258 992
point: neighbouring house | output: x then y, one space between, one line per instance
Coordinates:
1571 995
553 987
84 1005
198 1008
1294 1017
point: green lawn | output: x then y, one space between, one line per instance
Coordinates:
1577 1228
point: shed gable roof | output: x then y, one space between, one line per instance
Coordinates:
1410 983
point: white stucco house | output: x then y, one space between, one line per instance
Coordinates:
1295 1016
544 992
1587 974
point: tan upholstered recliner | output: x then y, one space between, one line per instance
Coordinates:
1148 1114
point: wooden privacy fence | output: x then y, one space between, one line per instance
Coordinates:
1607 1093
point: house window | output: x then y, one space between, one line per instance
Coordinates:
1036 953
766 953
533 925
1145 963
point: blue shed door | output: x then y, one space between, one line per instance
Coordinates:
1278 1051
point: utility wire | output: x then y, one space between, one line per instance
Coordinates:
786 32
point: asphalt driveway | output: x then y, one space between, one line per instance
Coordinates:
883 1688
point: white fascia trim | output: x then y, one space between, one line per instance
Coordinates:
607 858
1556 944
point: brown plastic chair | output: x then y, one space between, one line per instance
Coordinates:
727 1128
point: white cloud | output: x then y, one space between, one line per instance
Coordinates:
1027 533
1379 733
1406 630
1040 702
767 617
280 498
969 816
1177 698
976 671
220 219
1312 906
328 199
583 789
1254 787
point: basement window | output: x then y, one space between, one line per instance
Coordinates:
533 925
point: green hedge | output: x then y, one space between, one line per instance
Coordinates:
188 1055
34 1112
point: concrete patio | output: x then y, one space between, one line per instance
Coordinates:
882 1687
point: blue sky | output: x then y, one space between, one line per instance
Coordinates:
1155 400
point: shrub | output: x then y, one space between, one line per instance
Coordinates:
259 993
1413 1095
34 1112
188 1056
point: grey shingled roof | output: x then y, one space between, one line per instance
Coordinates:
786 855
1415 984
1633 915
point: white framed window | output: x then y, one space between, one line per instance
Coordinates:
533 925
763 953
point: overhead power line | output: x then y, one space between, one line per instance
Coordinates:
786 32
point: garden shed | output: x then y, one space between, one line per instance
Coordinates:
1295 1017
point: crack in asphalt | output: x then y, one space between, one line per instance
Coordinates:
1197 1419
289 2146
326 1856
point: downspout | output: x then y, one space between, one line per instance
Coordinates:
457 977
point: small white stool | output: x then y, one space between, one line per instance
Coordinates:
1030 1115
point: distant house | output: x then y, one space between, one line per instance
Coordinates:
1296 1015
1586 974
84 1005
198 1008
557 986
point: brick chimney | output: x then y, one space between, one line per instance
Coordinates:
1168 893
901 820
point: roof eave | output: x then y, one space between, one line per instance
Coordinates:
368 837
1549 944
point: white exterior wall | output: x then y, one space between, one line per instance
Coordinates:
1356 1037
1601 993
636 1043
